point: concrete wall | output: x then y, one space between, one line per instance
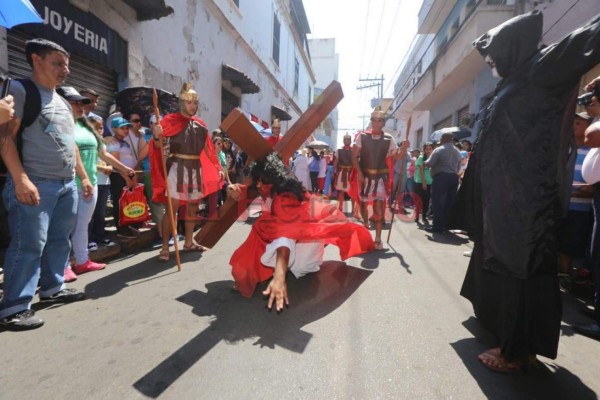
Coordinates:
193 43
325 62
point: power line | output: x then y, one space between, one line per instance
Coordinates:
362 55
429 46
377 37
402 62
385 48
562 16
410 48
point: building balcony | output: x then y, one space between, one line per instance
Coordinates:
456 61
432 14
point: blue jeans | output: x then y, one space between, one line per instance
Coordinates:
40 246
443 194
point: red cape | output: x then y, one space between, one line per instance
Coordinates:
354 189
272 140
309 220
172 125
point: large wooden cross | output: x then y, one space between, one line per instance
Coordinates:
248 139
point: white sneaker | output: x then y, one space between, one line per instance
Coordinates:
92 246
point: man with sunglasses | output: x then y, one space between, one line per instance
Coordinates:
373 149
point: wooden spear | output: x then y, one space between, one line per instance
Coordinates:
408 124
164 168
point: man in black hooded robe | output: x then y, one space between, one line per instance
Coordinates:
516 186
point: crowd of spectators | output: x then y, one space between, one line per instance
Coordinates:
59 203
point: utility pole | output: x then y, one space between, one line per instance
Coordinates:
374 82
363 119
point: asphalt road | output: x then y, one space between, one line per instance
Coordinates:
387 325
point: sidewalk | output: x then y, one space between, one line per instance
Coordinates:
125 245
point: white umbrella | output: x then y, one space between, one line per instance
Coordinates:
318 145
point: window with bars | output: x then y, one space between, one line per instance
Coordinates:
463 117
229 102
419 141
276 38
444 123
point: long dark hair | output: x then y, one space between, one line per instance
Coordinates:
272 171
87 123
428 144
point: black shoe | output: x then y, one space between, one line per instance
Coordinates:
589 330
64 296
433 230
565 282
22 321
588 312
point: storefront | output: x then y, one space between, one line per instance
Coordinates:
98 53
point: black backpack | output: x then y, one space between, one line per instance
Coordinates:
31 110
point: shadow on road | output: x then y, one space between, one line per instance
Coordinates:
371 259
447 238
549 381
236 319
148 269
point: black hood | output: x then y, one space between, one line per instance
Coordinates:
513 42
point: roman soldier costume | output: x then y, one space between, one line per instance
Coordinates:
192 164
374 162
344 165
273 140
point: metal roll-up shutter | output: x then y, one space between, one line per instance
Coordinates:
444 123
463 117
83 74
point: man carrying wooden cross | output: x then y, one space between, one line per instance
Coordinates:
291 236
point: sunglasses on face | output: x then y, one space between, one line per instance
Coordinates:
135 120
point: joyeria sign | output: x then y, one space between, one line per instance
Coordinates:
79 32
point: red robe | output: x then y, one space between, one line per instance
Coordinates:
309 220
172 125
354 190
